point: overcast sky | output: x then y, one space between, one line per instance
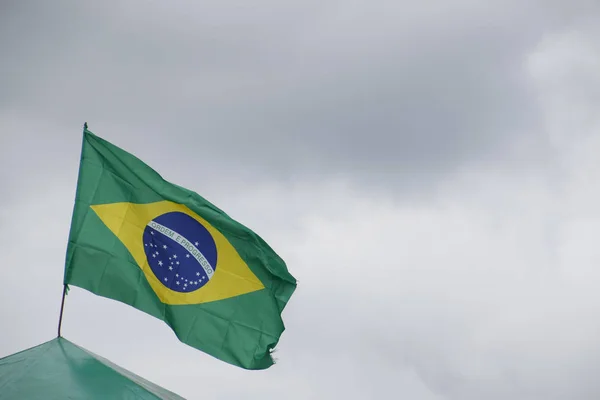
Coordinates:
428 170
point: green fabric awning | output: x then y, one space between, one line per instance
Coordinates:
59 370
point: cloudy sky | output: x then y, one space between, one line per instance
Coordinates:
428 170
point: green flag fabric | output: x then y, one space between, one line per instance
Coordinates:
168 252
59 369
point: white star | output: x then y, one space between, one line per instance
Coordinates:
177 282
154 255
177 262
196 243
152 232
164 246
146 244
197 273
170 268
174 255
165 279
187 255
159 263
150 244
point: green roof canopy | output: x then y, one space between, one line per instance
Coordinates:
59 369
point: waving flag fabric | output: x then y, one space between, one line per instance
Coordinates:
169 252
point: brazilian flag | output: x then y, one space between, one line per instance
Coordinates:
168 252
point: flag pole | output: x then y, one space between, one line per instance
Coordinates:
65 286
62 307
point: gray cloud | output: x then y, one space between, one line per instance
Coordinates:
380 91
484 288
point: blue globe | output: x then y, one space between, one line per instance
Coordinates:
180 251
